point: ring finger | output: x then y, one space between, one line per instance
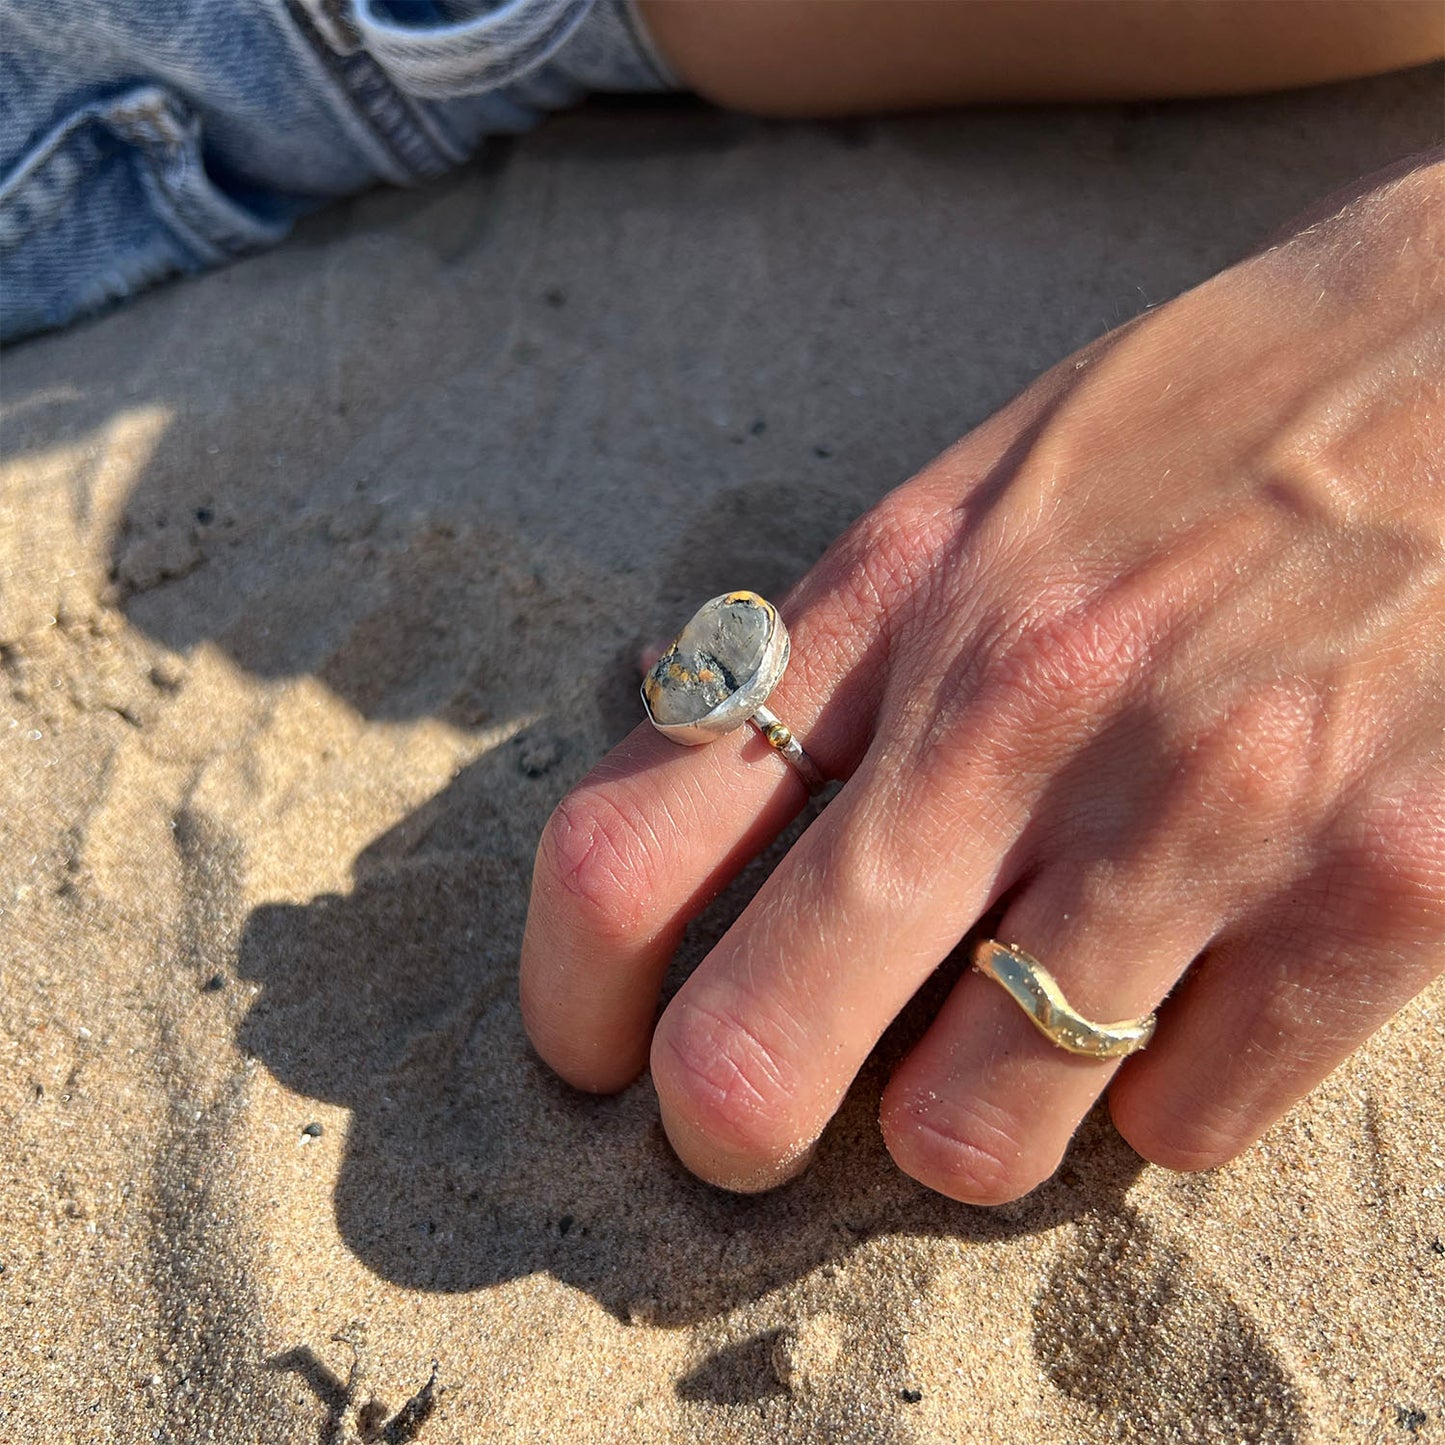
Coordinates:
985 1105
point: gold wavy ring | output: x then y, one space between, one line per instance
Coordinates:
1038 994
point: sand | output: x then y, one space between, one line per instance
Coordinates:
322 580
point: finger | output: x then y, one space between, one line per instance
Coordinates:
1289 992
640 846
754 1054
985 1105
1151 850
1255 1028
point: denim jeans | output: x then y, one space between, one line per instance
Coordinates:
142 138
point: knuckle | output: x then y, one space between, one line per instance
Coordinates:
1295 1026
885 565
1264 753
596 850
866 592
718 1072
860 881
1388 869
894 545
860 886
977 1154
1298 1013
1062 666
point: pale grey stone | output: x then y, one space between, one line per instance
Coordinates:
716 654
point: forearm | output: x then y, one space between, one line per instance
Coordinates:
847 57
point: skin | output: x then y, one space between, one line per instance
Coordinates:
1151 661
801 58
1146 669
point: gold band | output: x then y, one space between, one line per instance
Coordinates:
1034 989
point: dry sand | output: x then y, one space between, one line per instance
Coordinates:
321 578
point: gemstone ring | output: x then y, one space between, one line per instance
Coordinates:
718 674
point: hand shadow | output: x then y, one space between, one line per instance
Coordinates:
468 1163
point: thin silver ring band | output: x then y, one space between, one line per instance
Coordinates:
779 736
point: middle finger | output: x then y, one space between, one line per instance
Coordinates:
755 1052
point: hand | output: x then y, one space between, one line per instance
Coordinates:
1155 661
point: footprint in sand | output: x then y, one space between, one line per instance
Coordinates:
1130 1326
825 1358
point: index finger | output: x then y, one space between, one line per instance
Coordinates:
657 830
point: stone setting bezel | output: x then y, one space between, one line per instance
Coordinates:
750 694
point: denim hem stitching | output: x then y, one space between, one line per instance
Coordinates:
417 148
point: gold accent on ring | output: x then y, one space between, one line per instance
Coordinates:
1038 994
779 736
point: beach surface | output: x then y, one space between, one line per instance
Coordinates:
323 577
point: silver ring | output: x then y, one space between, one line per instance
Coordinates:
718 674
